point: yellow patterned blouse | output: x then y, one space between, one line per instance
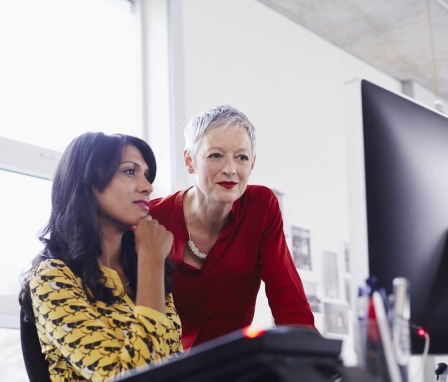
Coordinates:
82 340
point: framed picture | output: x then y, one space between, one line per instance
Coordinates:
301 248
312 295
348 290
346 257
336 318
330 274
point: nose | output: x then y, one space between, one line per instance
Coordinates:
229 167
145 186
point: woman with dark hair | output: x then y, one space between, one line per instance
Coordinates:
100 291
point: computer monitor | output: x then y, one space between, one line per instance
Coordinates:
283 354
398 185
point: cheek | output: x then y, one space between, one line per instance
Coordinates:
207 171
246 171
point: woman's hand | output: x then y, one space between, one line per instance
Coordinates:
152 244
152 239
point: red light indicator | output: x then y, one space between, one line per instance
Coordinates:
252 332
421 332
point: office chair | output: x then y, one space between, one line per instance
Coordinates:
35 363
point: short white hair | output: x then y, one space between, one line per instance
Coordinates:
218 116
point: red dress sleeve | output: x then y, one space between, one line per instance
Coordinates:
284 288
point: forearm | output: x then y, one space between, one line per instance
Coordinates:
151 283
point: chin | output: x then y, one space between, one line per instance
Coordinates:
229 196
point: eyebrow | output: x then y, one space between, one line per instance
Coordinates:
136 164
220 148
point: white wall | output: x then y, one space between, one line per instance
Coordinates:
290 83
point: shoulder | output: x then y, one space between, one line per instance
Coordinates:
259 194
52 280
255 189
51 270
49 266
258 201
165 204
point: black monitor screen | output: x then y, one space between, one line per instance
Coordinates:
406 194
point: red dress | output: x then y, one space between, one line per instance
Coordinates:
220 297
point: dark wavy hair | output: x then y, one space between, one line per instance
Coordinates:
72 233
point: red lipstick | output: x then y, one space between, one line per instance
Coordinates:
227 185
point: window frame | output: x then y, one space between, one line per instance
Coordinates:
28 160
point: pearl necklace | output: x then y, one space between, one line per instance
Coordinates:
192 245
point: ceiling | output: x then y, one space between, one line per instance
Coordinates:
394 36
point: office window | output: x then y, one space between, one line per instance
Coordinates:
25 206
67 67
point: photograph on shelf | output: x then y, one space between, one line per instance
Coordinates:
347 257
348 290
311 291
330 274
301 247
336 318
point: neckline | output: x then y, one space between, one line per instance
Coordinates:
191 244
